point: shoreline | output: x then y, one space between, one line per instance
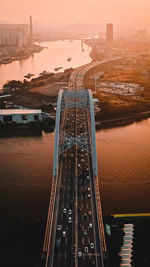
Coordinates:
34 92
48 85
11 54
122 121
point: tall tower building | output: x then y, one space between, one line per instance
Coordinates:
31 31
109 33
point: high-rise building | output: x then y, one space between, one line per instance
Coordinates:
19 35
141 34
109 33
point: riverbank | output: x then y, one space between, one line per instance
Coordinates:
123 92
122 88
12 53
39 93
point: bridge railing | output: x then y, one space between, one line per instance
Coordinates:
95 173
48 232
50 217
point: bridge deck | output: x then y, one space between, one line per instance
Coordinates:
74 228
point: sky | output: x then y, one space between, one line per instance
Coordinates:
123 13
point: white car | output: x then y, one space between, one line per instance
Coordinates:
69 220
69 212
92 245
59 227
90 225
79 254
64 211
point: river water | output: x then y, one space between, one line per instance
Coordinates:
123 162
26 159
55 55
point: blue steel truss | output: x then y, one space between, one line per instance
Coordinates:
72 99
57 125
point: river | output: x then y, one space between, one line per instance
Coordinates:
53 56
123 162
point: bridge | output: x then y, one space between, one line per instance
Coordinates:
74 234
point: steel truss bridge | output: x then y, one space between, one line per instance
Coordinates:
74 232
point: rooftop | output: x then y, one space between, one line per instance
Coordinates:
19 111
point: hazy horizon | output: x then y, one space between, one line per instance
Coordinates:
127 15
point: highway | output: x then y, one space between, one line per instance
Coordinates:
74 239
74 236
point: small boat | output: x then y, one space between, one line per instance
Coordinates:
59 68
29 75
69 59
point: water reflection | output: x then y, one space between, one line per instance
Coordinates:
123 160
20 132
54 56
25 177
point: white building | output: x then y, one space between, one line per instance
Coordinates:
20 116
22 39
14 35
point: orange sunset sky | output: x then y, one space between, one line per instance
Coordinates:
124 13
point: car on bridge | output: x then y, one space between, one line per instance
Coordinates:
64 234
90 226
59 227
69 220
86 250
91 245
64 210
85 232
79 254
58 242
69 211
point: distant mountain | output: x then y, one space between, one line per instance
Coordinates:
73 31
82 28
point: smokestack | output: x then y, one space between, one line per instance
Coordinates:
31 32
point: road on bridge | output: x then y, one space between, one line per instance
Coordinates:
75 229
